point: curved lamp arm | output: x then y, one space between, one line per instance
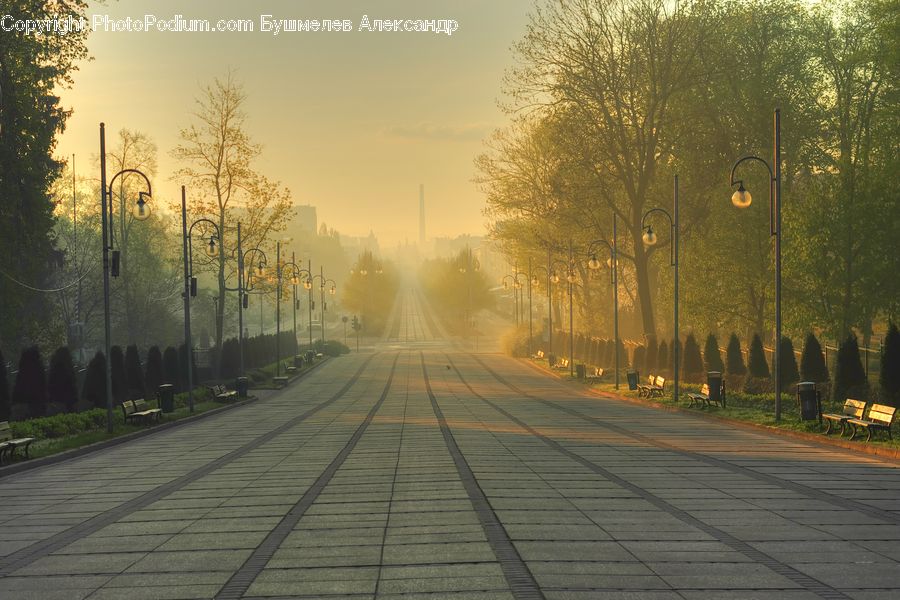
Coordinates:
649 235
741 198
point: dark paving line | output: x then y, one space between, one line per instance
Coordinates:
519 578
429 318
42 548
253 566
813 585
839 501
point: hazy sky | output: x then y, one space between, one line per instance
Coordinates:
350 122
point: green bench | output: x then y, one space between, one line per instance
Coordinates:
853 409
8 445
138 411
880 417
222 393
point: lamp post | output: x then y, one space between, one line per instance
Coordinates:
742 199
333 290
296 272
468 269
516 285
245 286
534 282
190 284
650 239
613 264
570 280
140 211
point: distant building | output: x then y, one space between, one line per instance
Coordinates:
306 219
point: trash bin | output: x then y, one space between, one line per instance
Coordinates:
809 400
632 377
166 396
716 389
551 359
298 361
242 384
579 371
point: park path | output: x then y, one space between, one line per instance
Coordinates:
424 470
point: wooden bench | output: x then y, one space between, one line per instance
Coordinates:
140 411
704 398
222 393
280 381
655 386
539 355
289 368
562 365
853 409
597 374
8 445
880 417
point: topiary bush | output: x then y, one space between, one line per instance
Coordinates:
692 361
890 367
712 357
119 379
734 357
650 355
153 377
662 358
94 389
757 359
676 352
30 390
849 375
62 425
4 390
812 361
134 376
170 368
62 384
623 356
787 367
183 367
637 358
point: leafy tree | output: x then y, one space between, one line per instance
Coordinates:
153 377
94 387
4 390
812 361
62 384
33 70
849 376
735 357
757 359
787 366
134 374
662 357
119 377
447 283
693 362
890 366
30 389
712 358
171 368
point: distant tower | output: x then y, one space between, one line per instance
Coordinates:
421 214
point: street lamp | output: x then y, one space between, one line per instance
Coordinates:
323 282
741 198
613 264
211 249
245 285
140 211
296 273
570 280
650 239
516 285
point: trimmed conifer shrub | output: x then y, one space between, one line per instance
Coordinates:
30 390
623 356
757 360
734 357
712 357
650 355
849 374
134 375
153 377
890 367
94 388
4 390
182 366
676 345
787 366
692 361
812 361
662 358
637 358
62 384
230 359
119 379
170 368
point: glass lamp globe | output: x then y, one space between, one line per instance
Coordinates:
261 269
741 198
332 291
363 272
141 210
649 237
295 280
534 280
554 278
505 285
307 284
571 278
609 262
594 263
211 249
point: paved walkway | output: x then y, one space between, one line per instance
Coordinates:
425 471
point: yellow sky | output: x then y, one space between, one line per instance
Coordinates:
351 122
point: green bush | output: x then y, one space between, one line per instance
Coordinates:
712 358
63 424
637 358
119 379
849 376
170 368
4 390
692 361
787 366
650 355
336 348
30 389
758 366
662 358
93 390
62 385
153 378
734 357
890 367
134 376
812 361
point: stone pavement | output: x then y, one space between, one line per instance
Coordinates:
425 471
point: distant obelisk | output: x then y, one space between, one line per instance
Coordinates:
422 214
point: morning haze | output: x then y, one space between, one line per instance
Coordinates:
351 122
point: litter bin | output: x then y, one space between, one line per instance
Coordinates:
242 384
716 389
166 396
810 401
298 361
579 371
632 377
